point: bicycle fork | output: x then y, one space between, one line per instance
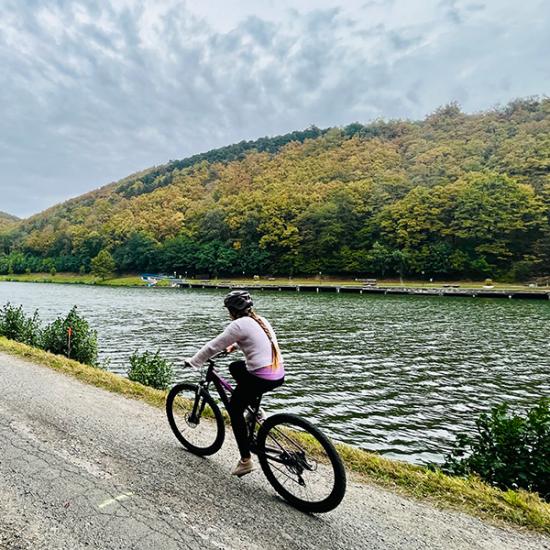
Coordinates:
198 407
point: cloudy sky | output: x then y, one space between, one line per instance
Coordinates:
94 90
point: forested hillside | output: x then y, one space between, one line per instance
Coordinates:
7 220
454 195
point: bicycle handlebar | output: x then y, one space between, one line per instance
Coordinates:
211 360
220 354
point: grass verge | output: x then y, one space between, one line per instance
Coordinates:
516 508
90 375
74 278
471 495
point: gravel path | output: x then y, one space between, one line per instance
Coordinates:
83 468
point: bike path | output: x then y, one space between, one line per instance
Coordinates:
83 468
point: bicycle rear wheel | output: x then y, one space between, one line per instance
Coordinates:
301 463
189 410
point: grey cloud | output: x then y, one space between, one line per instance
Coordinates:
401 41
378 3
262 31
412 94
475 7
101 102
451 11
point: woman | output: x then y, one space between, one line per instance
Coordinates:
262 371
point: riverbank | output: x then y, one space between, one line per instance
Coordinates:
517 508
74 278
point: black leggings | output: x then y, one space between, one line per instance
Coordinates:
249 388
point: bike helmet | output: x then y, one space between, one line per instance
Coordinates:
238 300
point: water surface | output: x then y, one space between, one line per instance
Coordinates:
397 374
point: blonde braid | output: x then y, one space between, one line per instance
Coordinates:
274 349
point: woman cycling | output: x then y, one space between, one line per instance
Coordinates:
262 371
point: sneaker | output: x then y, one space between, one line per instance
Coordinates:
243 468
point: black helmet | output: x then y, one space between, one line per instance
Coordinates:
238 300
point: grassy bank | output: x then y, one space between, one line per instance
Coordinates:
74 278
517 508
136 281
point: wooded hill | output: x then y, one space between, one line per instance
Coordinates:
7 220
454 195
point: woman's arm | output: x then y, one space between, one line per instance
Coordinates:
227 338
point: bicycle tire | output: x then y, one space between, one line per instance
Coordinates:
273 430
178 415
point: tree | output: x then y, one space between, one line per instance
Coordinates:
379 259
215 258
495 217
179 254
137 253
103 264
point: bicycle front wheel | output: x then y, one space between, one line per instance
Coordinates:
301 463
195 419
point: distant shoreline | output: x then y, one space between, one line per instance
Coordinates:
367 286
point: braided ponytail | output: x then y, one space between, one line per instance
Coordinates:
274 349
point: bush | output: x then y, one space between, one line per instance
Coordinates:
150 369
71 337
509 451
14 324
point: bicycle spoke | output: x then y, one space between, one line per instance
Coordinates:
190 412
301 463
291 462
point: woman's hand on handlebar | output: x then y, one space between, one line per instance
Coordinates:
223 353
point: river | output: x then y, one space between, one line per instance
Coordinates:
401 375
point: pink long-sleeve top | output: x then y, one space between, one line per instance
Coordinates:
254 343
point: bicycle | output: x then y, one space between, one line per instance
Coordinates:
295 456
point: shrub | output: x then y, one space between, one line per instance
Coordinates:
71 337
509 451
14 324
150 369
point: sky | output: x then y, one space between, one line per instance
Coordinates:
92 91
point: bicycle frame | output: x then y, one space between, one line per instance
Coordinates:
224 389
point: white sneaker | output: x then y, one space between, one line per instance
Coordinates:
243 468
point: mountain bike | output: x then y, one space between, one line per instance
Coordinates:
299 461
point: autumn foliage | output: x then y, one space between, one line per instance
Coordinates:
454 195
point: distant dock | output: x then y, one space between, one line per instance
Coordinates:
542 294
